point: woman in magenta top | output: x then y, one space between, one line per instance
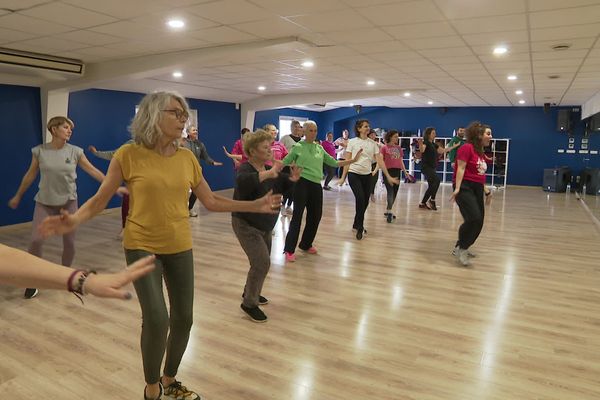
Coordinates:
329 147
392 155
237 154
469 187
278 150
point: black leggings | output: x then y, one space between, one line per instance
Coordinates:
470 202
392 190
433 183
361 187
307 195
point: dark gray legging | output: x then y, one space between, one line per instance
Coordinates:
470 202
178 272
40 213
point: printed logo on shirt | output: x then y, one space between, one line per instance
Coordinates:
68 161
481 166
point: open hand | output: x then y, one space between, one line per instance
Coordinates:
109 285
58 224
14 202
454 194
295 172
270 203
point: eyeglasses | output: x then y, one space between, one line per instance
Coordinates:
179 114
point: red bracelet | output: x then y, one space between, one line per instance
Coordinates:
70 281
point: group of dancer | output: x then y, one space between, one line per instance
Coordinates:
157 241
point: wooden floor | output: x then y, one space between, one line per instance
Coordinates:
389 317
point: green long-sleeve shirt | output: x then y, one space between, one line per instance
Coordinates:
452 153
310 157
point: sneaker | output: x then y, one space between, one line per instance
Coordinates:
289 257
424 206
431 204
160 393
311 250
193 213
289 210
462 257
326 187
261 300
30 293
472 255
389 217
359 234
176 391
255 314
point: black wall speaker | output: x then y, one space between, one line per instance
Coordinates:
443 110
563 122
546 108
594 124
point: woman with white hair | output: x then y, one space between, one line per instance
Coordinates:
308 192
158 174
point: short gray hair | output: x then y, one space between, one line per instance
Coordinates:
309 122
144 127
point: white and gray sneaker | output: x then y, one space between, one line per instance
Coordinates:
462 256
471 255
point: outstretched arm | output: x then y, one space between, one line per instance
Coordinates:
92 171
21 269
27 180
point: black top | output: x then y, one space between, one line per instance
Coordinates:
430 156
248 187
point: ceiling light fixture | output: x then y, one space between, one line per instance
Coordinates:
308 64
519 92
406 94
351 104
177 74
430 102
512 77
498 51
521 101
262 88
176 23
370 83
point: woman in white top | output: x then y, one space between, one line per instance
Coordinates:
359 173
57 162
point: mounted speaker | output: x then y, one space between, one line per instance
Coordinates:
443 110
546 108
563 121
594 123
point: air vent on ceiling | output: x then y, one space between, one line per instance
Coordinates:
40 61
553 76
562 46
315 106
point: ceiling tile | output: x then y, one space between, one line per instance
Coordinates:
410 12
452 52
222 34
322 22
31 25
68 15
294 8
270 28
230 11
568 16
561 33
513 22
370 35
539 5
392 46
122 9
88 37
158 22
435 43
9 35
53 44
455 9
496 38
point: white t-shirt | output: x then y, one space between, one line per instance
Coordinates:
367 157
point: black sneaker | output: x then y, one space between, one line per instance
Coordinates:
359 234
431 204
261 299
30 293
389 217
254 313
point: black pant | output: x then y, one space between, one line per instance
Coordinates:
361 187
374 178
192 201
330 173
288 196
433 183
392 190
307 195
470 202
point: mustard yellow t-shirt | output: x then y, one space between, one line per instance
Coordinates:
158 219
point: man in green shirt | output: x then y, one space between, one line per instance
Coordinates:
458 139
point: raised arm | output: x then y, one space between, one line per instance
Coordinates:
27 180
21 269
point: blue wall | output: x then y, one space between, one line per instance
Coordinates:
101 119
534 139
261 118
22 130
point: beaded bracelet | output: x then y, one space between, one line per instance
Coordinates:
78 290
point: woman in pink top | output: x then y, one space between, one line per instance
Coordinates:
469 188
237 153
392 155
329 147
277 148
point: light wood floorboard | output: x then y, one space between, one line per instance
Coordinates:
390 317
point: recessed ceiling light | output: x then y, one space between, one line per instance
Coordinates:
512 77
176 23
500 50
262 88
521 101
519 92
351 104
370 83
177 74
430 102
406 94
308 64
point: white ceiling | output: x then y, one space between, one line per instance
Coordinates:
439 50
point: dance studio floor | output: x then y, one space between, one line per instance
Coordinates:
390 317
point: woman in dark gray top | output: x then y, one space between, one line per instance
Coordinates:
254 231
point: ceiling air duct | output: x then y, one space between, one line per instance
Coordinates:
9 57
